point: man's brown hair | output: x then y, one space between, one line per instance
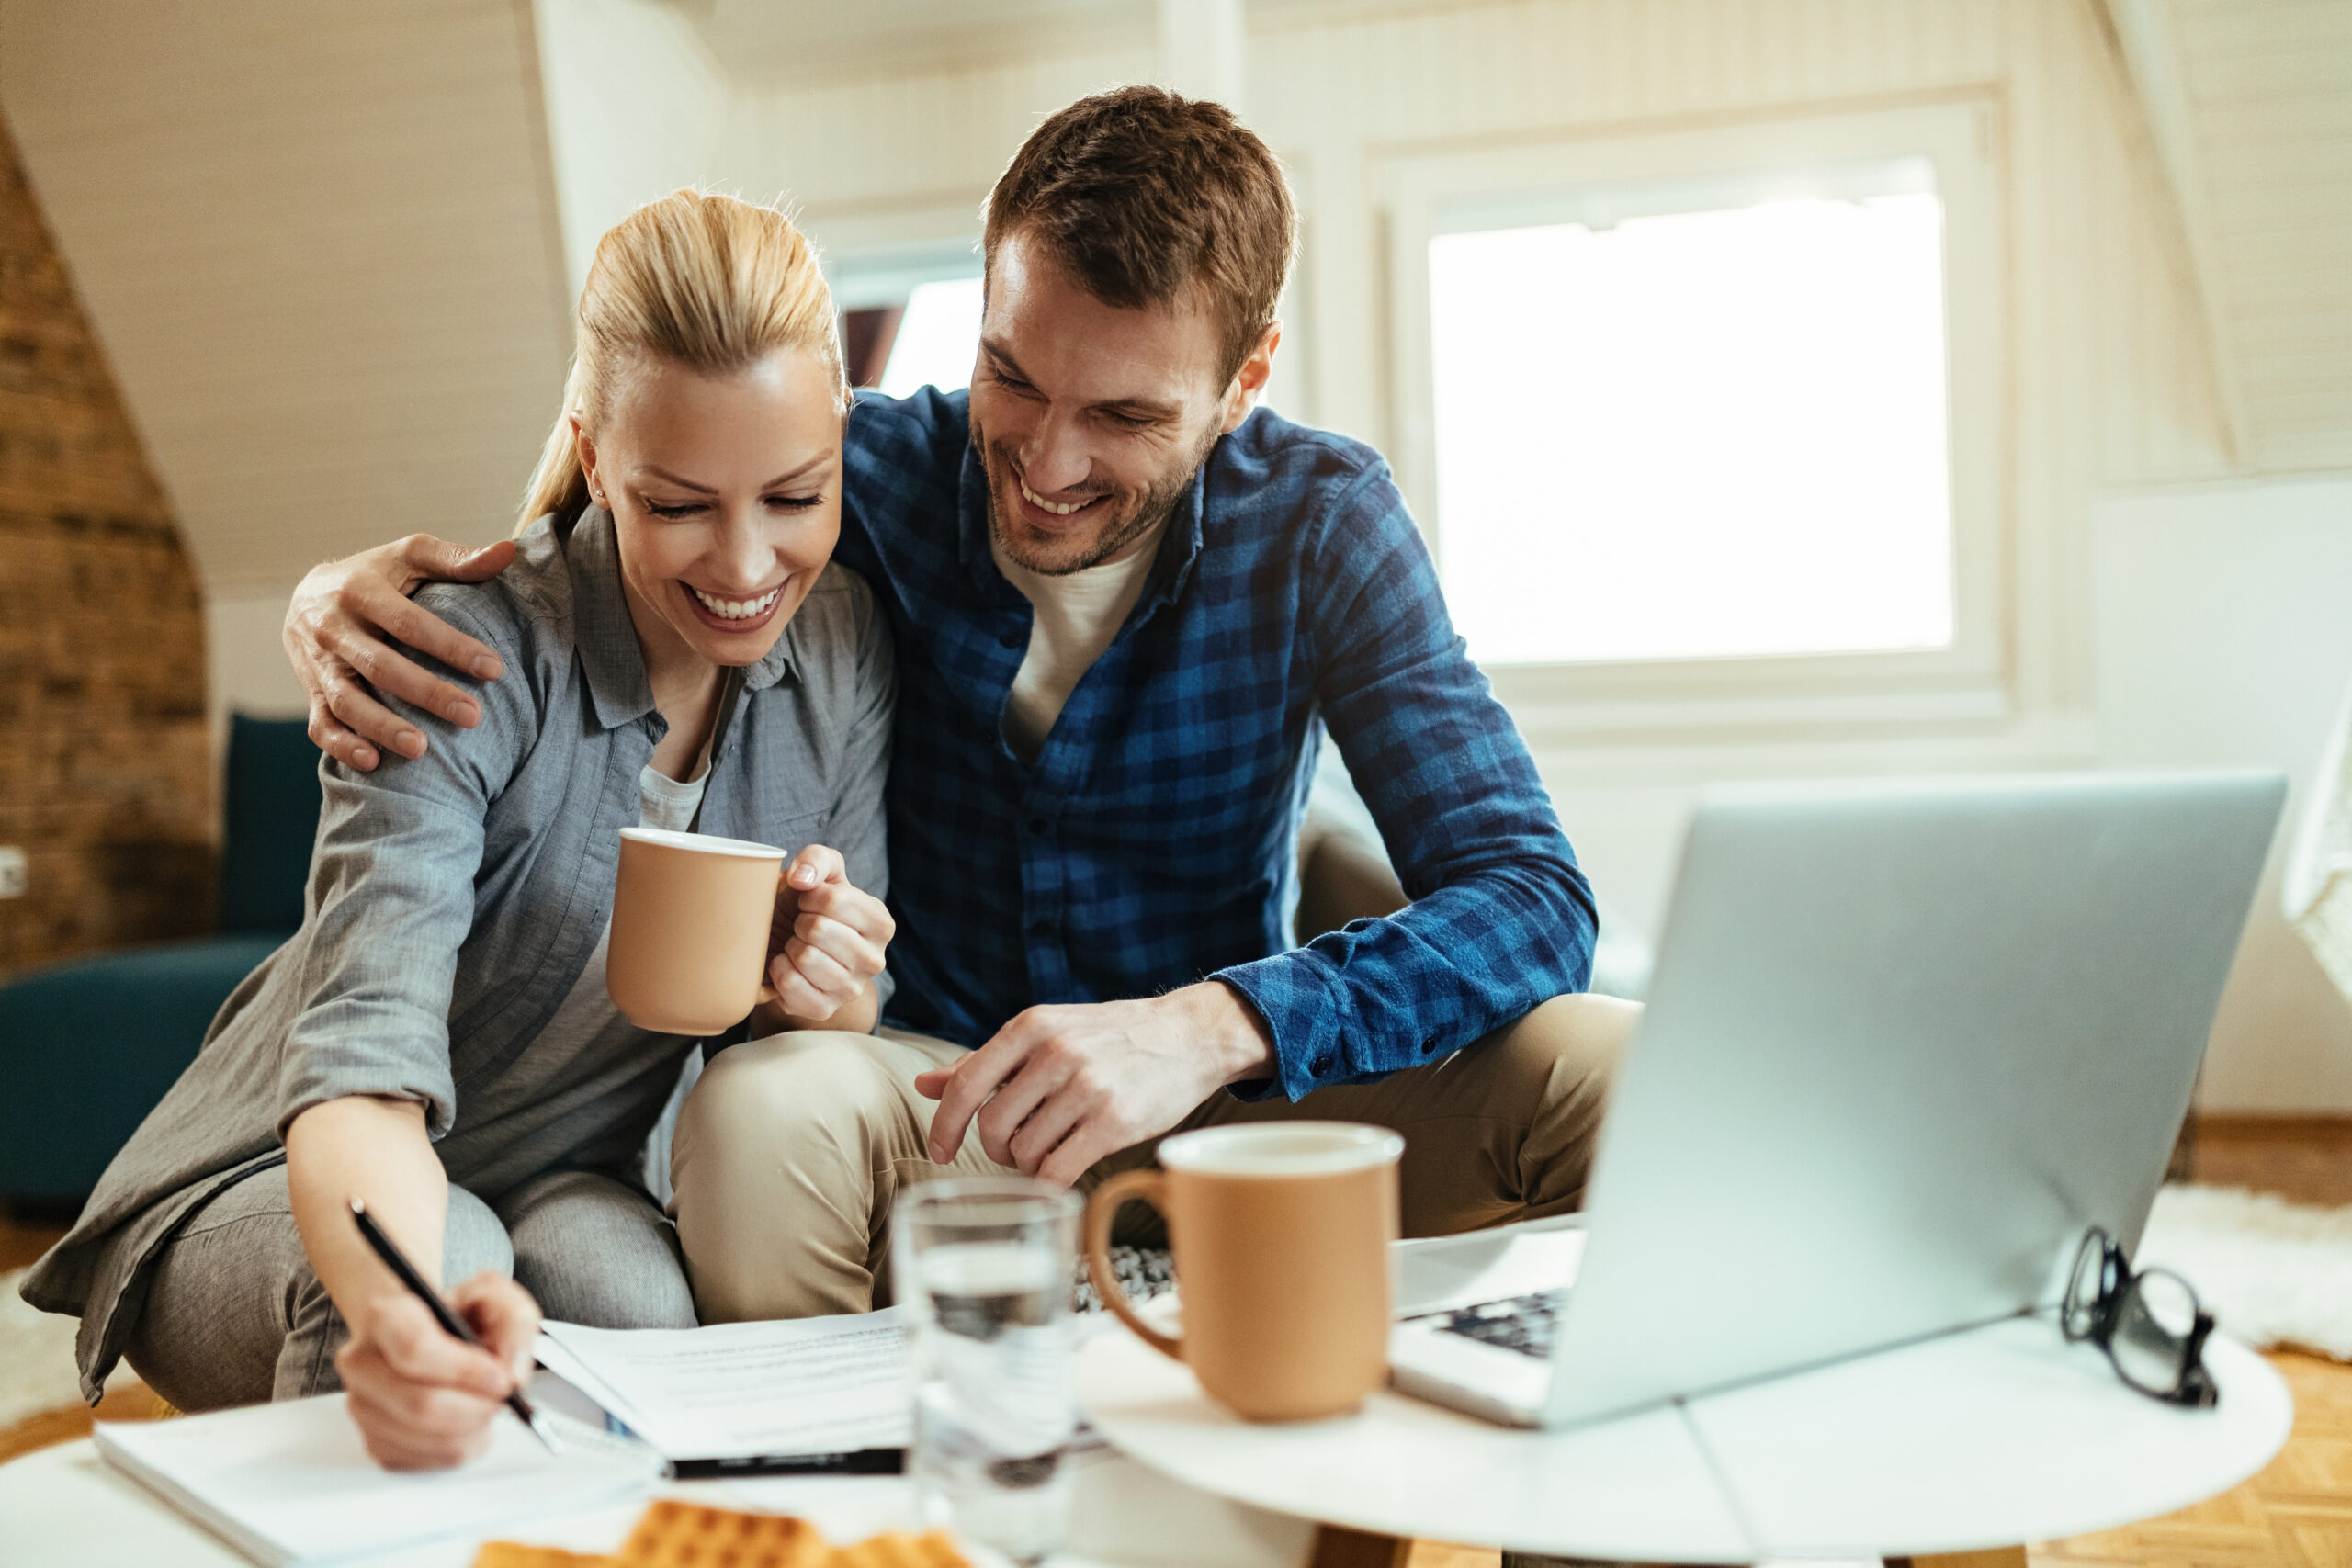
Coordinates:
1141 195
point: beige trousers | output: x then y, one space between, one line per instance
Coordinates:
791 1150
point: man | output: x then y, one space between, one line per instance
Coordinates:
1126 606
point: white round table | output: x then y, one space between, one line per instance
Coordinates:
1987 1439
66 1508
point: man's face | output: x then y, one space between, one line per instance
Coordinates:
1092 419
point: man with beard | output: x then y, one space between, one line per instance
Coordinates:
1127 603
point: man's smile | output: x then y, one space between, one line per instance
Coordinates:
1055 508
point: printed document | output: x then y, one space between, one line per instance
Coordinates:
744 1390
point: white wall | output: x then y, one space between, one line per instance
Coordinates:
246 669
635 109
2225 640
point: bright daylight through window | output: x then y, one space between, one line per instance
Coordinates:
937 338
1691 423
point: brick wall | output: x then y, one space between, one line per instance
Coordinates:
104 777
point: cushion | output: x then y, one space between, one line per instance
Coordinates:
269 815
87 1048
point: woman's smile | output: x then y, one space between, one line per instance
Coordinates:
733 615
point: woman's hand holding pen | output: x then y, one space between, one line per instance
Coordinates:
829 942
422 1400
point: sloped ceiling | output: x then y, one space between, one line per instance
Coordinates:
2249 104
320 245
766 42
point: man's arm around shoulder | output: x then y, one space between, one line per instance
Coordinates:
337 636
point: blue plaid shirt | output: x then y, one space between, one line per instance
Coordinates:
1154 841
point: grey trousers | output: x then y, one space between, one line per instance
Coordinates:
234 1315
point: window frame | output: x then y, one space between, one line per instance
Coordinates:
1967 685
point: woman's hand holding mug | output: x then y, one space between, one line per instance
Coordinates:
708 930
829 939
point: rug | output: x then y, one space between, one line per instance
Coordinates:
2273 1273
37 1356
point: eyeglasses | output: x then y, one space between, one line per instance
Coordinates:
2149 1324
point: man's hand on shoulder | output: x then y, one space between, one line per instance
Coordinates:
334 635
1060 1088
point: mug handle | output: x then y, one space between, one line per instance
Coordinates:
767 992
1102 1207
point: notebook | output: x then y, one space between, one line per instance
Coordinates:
292 1483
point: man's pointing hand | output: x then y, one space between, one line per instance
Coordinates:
1060 1088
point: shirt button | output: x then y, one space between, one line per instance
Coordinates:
1321 1065
1428 1046
1009 639
1041 928
1039 827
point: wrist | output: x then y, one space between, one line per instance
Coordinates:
1246 1045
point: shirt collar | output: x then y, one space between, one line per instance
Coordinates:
606 636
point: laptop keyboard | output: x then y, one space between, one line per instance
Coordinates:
1524 1324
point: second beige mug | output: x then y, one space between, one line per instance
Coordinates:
688 953
1281 1234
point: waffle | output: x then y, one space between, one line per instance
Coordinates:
671 1534
930 1550
513 1554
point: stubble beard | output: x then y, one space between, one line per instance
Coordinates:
1130 519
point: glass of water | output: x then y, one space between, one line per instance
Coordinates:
983 1267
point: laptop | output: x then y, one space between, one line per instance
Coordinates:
1905 1041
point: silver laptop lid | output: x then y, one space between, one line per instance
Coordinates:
1905 1041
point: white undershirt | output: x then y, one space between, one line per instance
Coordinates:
1077 614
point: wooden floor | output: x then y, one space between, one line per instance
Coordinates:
2296 1514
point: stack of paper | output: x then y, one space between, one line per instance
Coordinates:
292 1483
812 1385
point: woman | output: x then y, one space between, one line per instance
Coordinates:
437 1039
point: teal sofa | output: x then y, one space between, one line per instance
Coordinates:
88 1046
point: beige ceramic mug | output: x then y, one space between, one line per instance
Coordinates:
1281 1234
688 953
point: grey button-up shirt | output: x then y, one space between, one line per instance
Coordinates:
455 899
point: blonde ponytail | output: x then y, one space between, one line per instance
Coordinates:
707 282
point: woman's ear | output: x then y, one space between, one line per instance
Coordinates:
587 448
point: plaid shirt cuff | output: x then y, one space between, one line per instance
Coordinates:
1303 1010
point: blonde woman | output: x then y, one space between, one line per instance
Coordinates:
437 1040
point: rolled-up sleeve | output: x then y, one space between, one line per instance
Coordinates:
392 899
1501 917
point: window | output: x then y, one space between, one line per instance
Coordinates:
938 337
910 314
1709 431
1712 414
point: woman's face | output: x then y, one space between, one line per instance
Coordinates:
726 493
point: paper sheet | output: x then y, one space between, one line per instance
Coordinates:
737 1390
291 1483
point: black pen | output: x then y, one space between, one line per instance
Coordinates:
856 1461
451 1322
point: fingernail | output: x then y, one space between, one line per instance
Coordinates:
410 742
488 667
363 759
464 713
